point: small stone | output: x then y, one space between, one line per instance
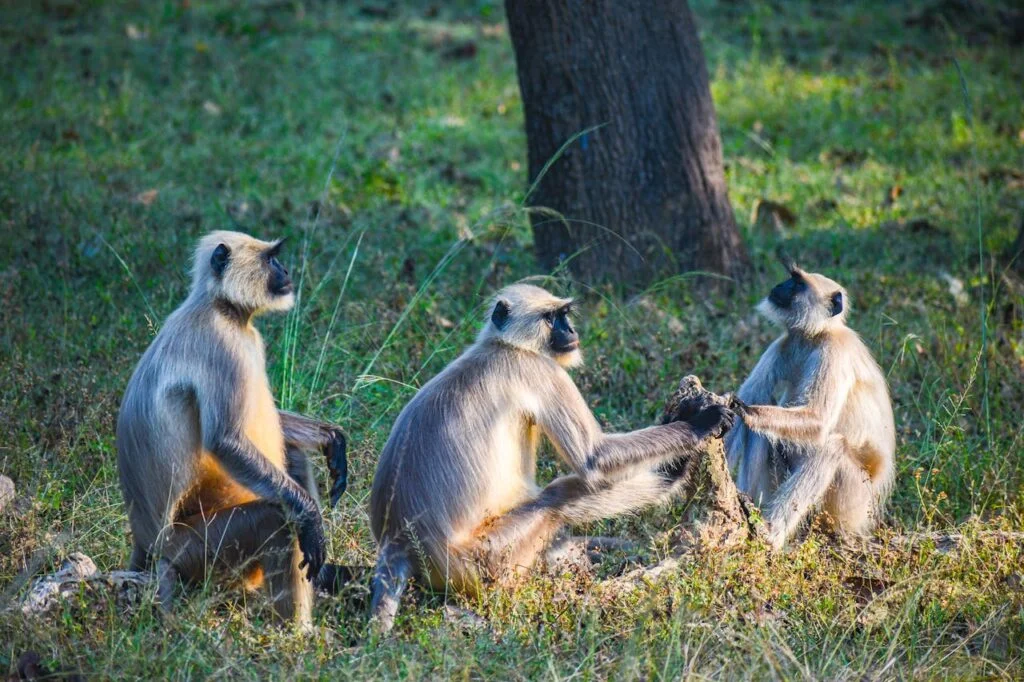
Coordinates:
464 619
77 566
7 492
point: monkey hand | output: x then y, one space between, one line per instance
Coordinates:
312 543
738 406
714 421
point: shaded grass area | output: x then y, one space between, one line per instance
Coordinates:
387 142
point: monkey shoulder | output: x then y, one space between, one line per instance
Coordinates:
530 370
488 380
194 355
847 352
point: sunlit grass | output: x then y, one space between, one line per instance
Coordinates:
399 173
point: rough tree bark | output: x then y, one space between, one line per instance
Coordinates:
644 194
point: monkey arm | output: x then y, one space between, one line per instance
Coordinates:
616 451
569 424
825 390
248 466
795 424
758 387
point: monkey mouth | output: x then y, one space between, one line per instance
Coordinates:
283 289
567 348
779 299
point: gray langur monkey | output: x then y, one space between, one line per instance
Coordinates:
454 499
816 419
213 474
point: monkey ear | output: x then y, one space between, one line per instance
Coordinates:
219 259
501 312
836 303
276 248
786 259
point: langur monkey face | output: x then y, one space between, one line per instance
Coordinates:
247 273
562 337
806 302
278 282
533 319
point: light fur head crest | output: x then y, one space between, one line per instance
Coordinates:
524 326
811 312
244 282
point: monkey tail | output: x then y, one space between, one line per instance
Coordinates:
390 579
337 464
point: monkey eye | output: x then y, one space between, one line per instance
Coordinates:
549 317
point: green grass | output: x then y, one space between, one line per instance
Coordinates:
399 171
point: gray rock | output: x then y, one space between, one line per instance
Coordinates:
7 492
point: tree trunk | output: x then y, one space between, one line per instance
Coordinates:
644 194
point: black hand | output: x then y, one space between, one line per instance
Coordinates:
312 544
688 409
737 405
713 421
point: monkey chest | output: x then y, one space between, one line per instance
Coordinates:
509 480
262 424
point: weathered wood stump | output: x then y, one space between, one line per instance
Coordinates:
729 517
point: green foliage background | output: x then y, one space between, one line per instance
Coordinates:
387 141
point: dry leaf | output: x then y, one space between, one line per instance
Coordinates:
891 195
148 197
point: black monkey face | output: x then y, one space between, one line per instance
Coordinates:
782 294
806 302
563 337
278 281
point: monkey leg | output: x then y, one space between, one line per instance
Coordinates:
578 503
511 544
391 577
804 489
750 453
231 539
140 560
291 594
300 469
852 501
506 546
